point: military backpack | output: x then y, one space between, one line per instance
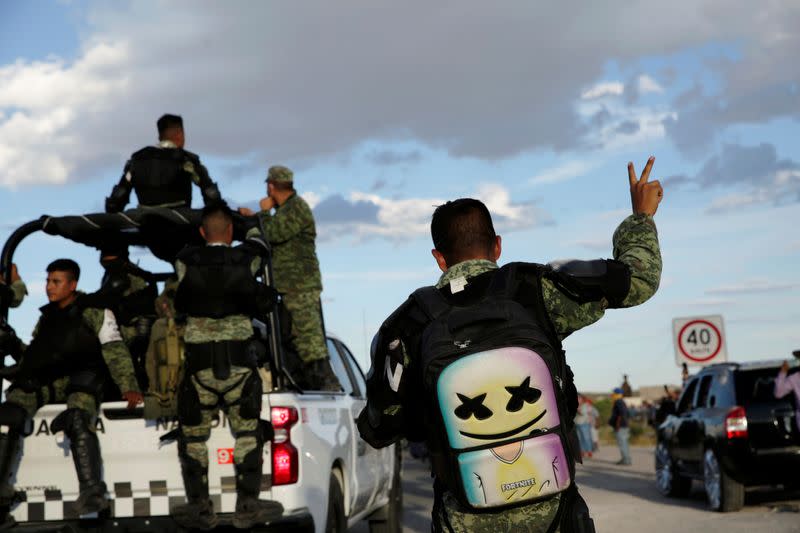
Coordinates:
498 385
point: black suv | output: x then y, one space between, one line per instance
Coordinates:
730 431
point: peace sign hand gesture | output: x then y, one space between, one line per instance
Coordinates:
645 195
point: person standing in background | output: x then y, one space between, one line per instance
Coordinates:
584 422
619 422
786 383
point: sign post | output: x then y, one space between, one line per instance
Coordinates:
699 340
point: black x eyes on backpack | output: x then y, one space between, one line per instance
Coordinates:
495 376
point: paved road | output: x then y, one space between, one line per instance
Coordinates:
624 499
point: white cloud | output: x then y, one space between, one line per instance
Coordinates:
731 202
783 186
564 172
316 89
381 276
705 302
601 244
614 214
311 198
650 124
37 289
403 219
606 88
751 287
787 178
646 84
41 139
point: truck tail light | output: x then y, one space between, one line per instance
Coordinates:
736 423
285 460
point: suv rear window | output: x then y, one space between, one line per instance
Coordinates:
686 398
756 386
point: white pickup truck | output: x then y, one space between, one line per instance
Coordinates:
318 467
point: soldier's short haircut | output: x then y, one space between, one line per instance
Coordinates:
462 229
65 265
168 122
216 218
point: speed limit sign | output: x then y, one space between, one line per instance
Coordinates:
699 340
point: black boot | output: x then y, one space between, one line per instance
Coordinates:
250 511
321 376
85 449
198 512
9 448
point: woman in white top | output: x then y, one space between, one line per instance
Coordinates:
585 420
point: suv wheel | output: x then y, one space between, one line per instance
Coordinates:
668 480
724 493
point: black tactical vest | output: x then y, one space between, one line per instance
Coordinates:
158 177
64 344
115 282
218 283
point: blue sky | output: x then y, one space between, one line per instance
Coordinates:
385 110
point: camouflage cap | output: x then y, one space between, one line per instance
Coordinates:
280 174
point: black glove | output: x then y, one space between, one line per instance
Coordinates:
6 295
257 352
9 342
267 299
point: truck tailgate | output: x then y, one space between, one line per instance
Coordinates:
143 475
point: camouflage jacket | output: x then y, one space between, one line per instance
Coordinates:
136 284
115 353
291 232
382 421
204 329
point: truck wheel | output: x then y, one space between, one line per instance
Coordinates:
724 493
392 513
668 480
335 522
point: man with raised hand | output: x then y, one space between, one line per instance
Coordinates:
448 369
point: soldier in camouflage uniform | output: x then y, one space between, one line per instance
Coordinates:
394 407
75 345
292 233
218 291
162 175
130 293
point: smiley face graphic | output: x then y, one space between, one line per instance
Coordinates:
496 395
500 398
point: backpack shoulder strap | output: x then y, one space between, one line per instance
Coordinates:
505 281
431 301
525 280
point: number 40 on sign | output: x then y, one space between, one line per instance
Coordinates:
699 340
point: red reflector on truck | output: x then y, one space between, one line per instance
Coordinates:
736 423
285 460
283 417
284 464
